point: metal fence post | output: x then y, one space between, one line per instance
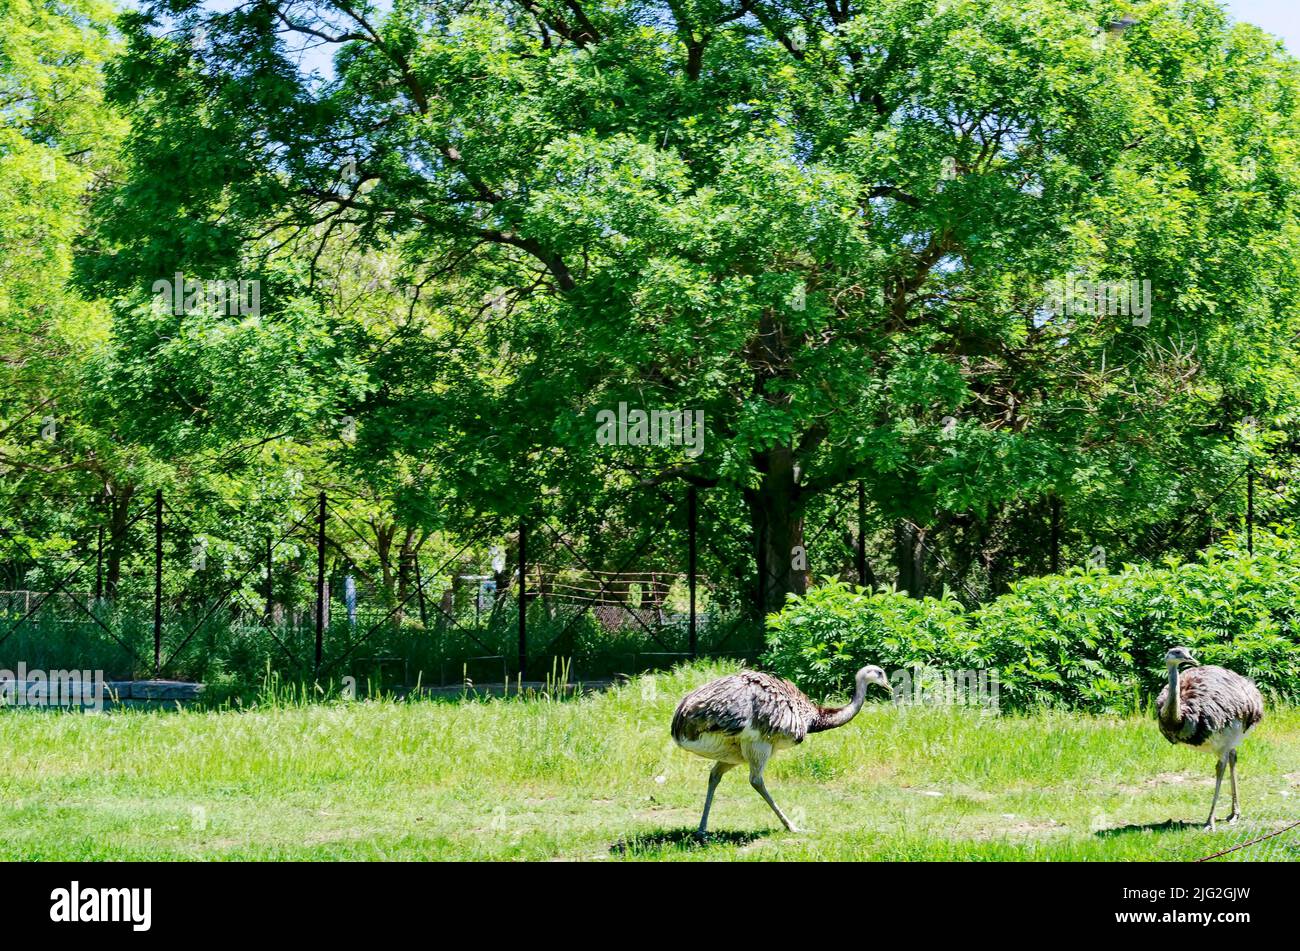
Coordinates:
270 582
1056 535
419 591
157 581
99 567
692 518
1250 507
523 599
862 534
320 581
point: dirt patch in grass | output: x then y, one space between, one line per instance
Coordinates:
1158 781
1015 827
336 835
1167 779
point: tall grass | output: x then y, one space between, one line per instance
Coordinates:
550 775
233 658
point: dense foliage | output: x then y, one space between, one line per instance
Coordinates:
829 228
1086 639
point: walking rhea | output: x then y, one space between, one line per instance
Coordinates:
746 717
1210 708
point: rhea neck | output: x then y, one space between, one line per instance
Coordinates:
828 718
1173 711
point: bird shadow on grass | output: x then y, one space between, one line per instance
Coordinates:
1169 825
683 840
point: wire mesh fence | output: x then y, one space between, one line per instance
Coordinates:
315 585
321 587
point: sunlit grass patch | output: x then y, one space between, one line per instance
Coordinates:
596 777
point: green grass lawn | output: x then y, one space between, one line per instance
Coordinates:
599 778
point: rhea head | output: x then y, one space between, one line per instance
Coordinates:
1180 657
872 674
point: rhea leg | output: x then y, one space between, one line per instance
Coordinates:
757 754
1218 784
715 776
1232 768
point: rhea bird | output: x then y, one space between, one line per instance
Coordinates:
1210 708
746 717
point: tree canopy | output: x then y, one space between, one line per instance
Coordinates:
990 259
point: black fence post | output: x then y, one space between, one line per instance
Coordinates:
760 537
157 581
523 599
862 534
320 581
1250 507
419 590
692 518
1056 535
99 567
270 582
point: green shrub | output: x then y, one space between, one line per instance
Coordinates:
1086 640
821 639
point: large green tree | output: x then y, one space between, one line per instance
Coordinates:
830 227
56 138
58 141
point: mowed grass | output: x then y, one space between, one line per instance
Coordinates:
598 778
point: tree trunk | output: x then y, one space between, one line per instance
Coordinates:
909 558
776 512
405 574
546 591
119 514
848 567
384 549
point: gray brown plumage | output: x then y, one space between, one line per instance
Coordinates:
1210 708
1210 698
746 717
